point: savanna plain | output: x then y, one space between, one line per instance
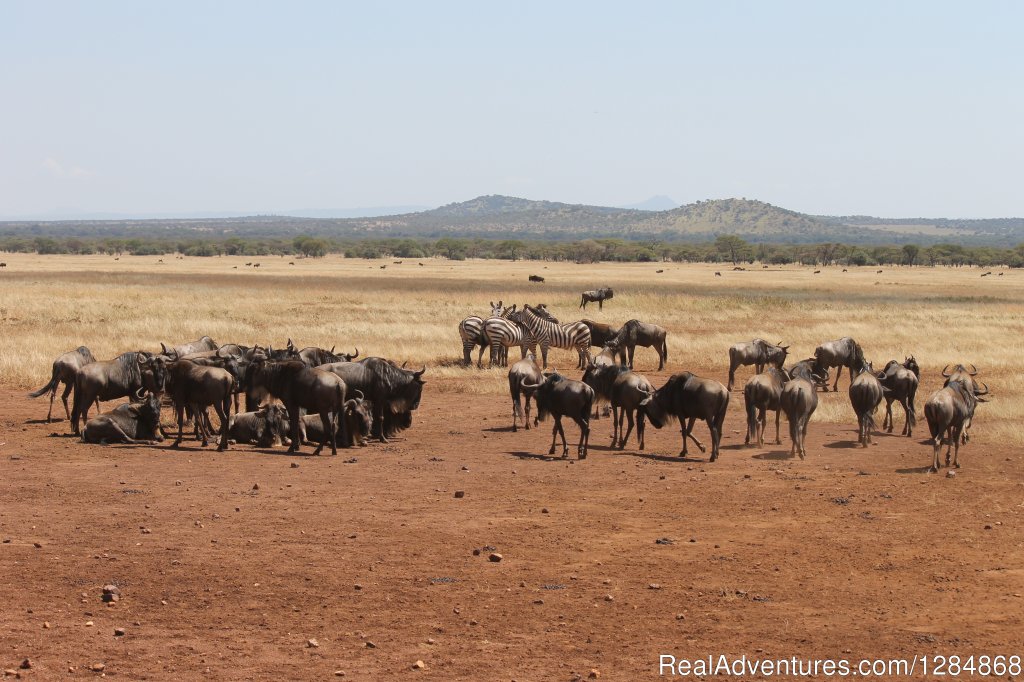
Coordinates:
251 564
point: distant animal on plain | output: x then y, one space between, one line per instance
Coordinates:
878 272
986 274
659 271
536 278
600 296
718 274
383 267
255 265
845 270
4 265
397 262
291 262
817 272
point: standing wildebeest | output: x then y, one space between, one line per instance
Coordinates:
636 333
799 400
758 353
65 367
127 375
560 396
865 395
599 296
200 344
314 389
687 397
601 334
536 278
949 412
844 352
962 375
762 393
574 335
395 392
526 370
471 331
625 390
266 427
899 383
197 387
127 423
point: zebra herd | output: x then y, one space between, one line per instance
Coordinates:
528 328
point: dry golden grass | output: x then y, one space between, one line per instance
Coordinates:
50 304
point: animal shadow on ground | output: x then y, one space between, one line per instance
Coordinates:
664 458
915 470
43 421
774 455
533 455
842 445
499 429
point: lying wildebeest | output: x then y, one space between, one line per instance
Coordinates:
687 397
625 390
200 344
636 333
65 368
865 396
601 334
563 397
314 389
358 423
127 423
127 375
471 331
599 296
197 387
608 356
899 383
758 353
394 392
266 427
844 352
799 400
536 278
526 370
949 412
762 393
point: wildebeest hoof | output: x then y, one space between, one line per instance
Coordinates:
933 469
551 451
176 443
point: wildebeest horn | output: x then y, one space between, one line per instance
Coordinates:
359 393
405 364
163 347
945 373
356 355
332 349
529 385
974 370
985 392
420 373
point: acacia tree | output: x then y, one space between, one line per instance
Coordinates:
732 247
910 252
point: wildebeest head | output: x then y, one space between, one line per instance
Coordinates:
911 364
153 369
658 405
358 419
274 427
776 355
542 392
148 413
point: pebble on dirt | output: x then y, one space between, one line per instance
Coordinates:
459 494
312 644
419 665
120 632
495 557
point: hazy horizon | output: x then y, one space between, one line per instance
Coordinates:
898 111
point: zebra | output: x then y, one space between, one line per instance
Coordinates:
503 333
551 334
471 331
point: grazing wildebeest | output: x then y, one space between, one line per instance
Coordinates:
315 389
127 375
949 412
394 392
358 423
865 396
799 400
127 423
762 393
548 334
599 296
636 333
899 383
526 370
608 356
844 352
471 331
266 427
197 387
758 353
536 278
200 344
687 397
65 367
563 397
625 390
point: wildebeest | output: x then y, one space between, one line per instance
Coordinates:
899 383
65 368
128 423
949 412
758 353
266 427
625 390
526 370
536 278
844 352
127 375
200 344
314 389
636 333
865 395
548 334
394 392
601 334
356 415
197 387
688 397
960 374
762 393
599 296
563 397
313 356
799 400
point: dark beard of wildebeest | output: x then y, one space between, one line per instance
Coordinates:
563 397
358 422
865 396
625 390
395 392
266 427
844 352
601 334
962 375
599 296
197 387
799 400
65 368
311 388
127 423
526 370
758 353
471 332
636 333
127 375
203 343
762 393
899 383
574 335
502 334
949 412
687 397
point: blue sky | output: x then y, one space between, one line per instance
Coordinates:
887 108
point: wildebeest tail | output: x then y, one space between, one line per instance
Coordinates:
751 419
515 390
52 386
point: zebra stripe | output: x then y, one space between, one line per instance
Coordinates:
471 331
502 334
550 335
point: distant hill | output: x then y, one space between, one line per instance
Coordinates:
659 202
497 216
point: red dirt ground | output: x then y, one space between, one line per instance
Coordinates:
852 553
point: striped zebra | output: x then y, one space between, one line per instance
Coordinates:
503 333
471 331
574 335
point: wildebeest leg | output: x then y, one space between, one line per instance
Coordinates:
906 417
554 435
887 419
689 434
794 435
516 409
581 449
223 412
526 420
631 350
956 450
952 434
640 428
297 435
629 428
716 437
378 419
328 426
53 396
339 433
180 414
778 441
762 420
732 374
561 432
544 354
